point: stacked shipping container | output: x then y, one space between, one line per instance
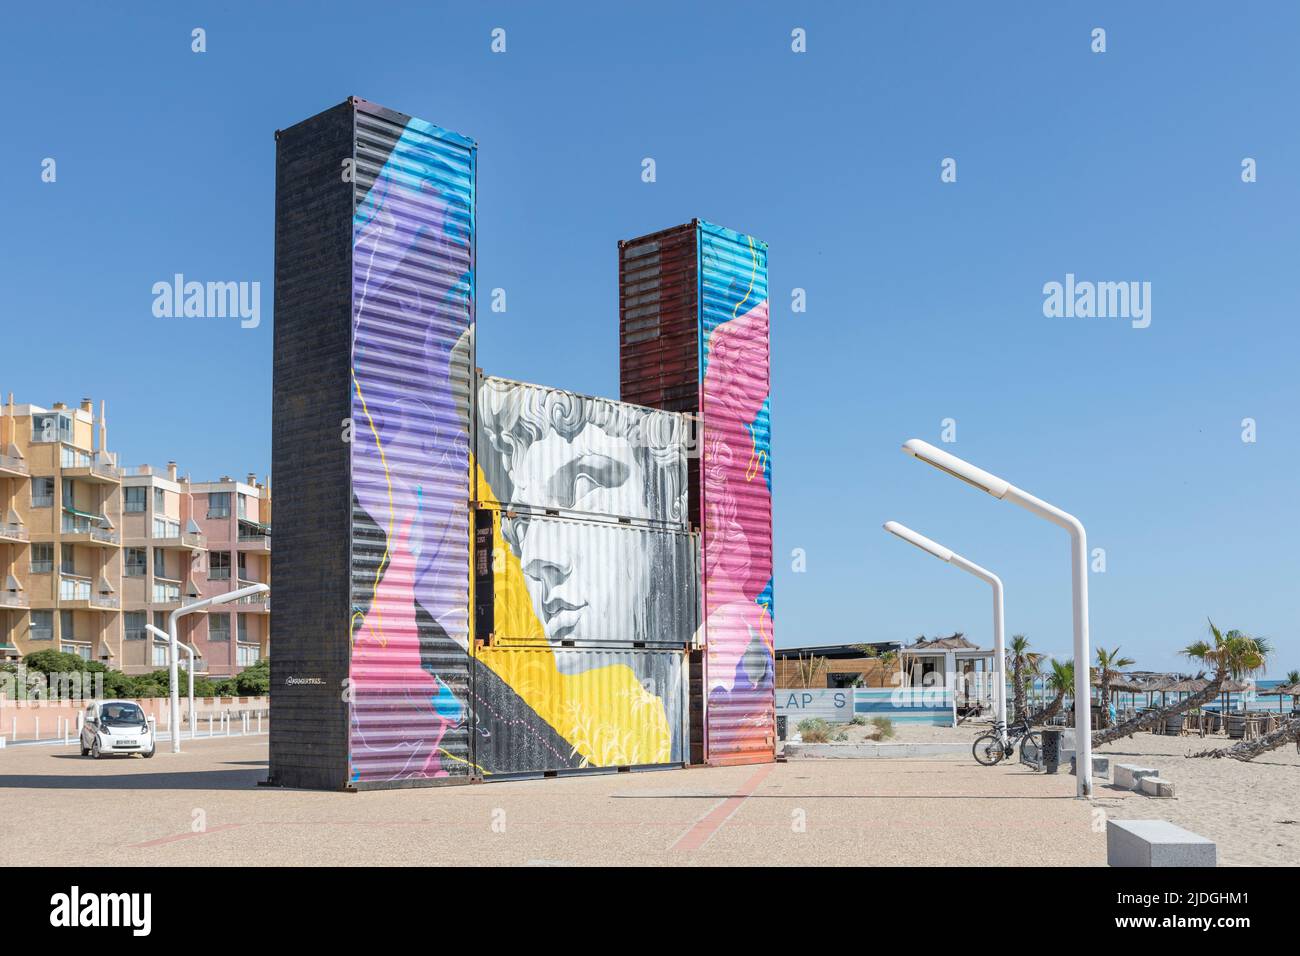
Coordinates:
693 313
584 572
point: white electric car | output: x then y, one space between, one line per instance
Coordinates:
116 727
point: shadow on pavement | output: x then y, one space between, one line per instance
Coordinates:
166 780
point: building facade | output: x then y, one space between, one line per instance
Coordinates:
91 553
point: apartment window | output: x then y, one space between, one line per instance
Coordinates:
159 563
219 504
42 628
69 498
42 492
134 500
159 500
249 654
242 620
135 563
81 650
160 655
219 628
243 567
67 631
67 559
243 506
42 558
166 528
166 593
51 426
133 623
160 620
219 566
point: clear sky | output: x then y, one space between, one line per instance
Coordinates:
924 298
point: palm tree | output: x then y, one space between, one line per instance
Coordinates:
1060 682
888 659
1109 662
1287 731
1232 654
1023 663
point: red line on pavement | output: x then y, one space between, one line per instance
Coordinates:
713 821
184 836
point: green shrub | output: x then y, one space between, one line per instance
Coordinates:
858 720
253 681
884 727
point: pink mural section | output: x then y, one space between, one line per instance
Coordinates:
736 499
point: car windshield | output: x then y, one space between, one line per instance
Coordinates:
122 714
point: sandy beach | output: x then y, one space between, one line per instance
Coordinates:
1251 810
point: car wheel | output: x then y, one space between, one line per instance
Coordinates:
150 753
94 750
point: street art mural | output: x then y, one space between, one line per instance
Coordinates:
736 495
412 288
581 554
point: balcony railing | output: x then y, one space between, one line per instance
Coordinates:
12 532
166 593
108 602
13 466
14 599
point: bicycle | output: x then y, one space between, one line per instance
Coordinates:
999 743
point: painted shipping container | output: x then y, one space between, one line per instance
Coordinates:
554 709
713 281
543 580
372 393
547 450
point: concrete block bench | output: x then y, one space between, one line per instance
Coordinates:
1127 775
1156 843
1155 787
1100 766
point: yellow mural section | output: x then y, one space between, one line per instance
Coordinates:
604 713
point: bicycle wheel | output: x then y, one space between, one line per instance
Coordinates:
1031 749
987 750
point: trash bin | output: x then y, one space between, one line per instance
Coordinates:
780 728
1051 749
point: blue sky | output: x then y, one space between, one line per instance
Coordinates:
924 299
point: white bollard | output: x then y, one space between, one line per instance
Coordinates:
13 729
209 723
259 721
225 717
37 734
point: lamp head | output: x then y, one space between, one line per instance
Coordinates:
919 540
956 467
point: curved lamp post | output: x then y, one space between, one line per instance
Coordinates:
999 641
164 638
175 644
1005 491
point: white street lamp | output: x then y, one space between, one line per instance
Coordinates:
1005 491
999 640
163 637
175 643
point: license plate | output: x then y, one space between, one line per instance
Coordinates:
125 743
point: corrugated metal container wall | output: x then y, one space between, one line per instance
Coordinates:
556 581
724 366
543 709
736 497
412 356
310 388
548 450
659 330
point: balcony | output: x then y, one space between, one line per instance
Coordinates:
166 593
80 527
14 599
95 469
256 603
254 542
185 541
76 594
13 466
12 532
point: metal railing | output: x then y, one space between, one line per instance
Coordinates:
13 532
10 463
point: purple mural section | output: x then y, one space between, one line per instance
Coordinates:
412 302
